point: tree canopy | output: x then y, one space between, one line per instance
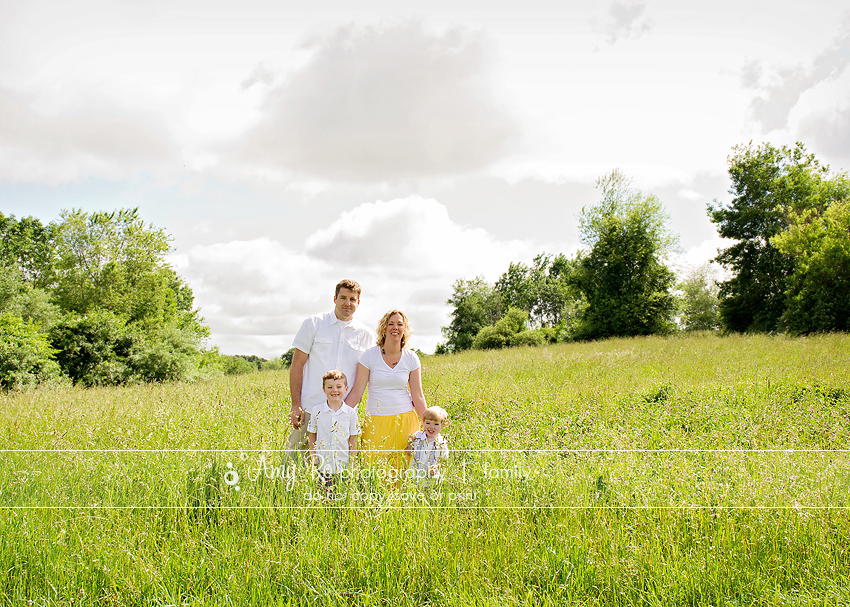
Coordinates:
97 287
770 186
476 305
818 242
623 276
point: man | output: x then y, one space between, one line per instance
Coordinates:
324 343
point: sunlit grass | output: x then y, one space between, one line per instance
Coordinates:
692 470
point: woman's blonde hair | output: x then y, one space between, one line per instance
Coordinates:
382 327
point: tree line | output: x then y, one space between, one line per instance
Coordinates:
90 299
789 266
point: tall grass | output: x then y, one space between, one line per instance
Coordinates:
693 470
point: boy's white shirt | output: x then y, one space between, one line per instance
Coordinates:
333 429
425 453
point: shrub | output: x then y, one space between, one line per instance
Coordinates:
236 365
511 324
35 305
25 354
531 337
167 356
489 338
93 350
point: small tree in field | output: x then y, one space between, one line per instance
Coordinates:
623 275
700 305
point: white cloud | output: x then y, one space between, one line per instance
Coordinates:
385 103
625 21
405 253
88 137
689 194
831 131
703 252
782 90
414 230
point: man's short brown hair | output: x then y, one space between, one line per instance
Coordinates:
351 285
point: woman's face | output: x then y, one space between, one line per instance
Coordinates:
395 327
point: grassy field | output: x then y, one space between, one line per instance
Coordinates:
691 470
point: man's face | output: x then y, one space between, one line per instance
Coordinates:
345 304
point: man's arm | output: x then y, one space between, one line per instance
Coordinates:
296 381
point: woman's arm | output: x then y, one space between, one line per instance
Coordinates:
359 387
352 447
416 393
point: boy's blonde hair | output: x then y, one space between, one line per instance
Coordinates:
335 374
437 414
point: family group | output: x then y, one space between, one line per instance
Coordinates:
399 427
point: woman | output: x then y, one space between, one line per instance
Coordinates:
396 402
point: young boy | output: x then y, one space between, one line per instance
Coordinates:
333 428
428 446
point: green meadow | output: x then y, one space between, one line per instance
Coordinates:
690 470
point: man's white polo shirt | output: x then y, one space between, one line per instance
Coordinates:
330 344
333 428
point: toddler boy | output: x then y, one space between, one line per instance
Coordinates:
428 446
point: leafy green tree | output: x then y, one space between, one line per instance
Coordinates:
94 350
544 289
819 289
499 335
700 306
99 286
110 261
28 246
26 358
768 185
11 285
624 279
286 358
167 355
114 261
557 296
517 288
476 305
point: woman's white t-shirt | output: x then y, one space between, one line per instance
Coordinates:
388 387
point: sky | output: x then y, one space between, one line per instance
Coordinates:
405 145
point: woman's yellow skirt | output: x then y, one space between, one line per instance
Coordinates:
386 436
